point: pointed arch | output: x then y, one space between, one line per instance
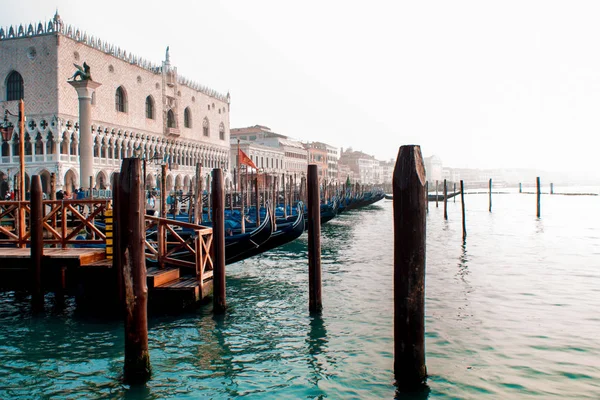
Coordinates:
171 123
14 86
150 107
187 118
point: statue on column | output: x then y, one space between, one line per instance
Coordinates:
83 73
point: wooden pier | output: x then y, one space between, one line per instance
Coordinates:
75 260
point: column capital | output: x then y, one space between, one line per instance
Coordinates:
85 88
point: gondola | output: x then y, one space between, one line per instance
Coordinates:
284 234
440 197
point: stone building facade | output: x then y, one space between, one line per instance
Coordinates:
141 109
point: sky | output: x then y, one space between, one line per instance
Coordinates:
511 84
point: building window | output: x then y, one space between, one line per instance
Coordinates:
222 131
205 127
120 100
187 118
14 86
149 107
171 119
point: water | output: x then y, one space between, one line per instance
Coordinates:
512 313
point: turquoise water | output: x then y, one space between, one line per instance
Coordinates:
512 313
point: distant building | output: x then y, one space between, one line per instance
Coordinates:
141 109
365 167
295 155
433 168
268 159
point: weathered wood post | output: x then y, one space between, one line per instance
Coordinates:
520 187
208 199
454 193
490 195
409 199
91 187
198 195
445 200
218 224
36 229
132 237
53 195
426 194
257 201
162 230
315 303
117 264
436 194
551 188
462 204
539 196
283 192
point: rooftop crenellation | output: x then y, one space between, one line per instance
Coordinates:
57 26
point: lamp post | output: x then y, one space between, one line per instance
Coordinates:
7 131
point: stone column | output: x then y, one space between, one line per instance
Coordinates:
86 146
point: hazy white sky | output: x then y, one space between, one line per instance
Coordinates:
481 84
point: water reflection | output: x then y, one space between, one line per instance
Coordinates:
317 347
463 270
419 394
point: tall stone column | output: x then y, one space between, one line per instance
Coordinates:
84 90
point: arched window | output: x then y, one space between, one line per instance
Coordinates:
171 119
121 100
149 107
205 127
14 86
222 131
187 118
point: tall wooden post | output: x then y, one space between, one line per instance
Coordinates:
462 204
257 201
426 195
198 195
436 193
315 303
117 264
551 188
208 199
445 200
162 230
91 187
409 199
36 229
490 195
53 195
132 237
539 196
283 192
520 187
242 203
218 224
454 193
274 205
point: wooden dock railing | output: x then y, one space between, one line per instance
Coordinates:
63 221
197 247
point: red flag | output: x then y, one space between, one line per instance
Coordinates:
244 159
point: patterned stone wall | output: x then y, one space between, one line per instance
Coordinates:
35 58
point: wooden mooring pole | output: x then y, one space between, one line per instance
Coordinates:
117 264
218 224
520 187
490 209
454 193
36 228
426 194
551 188
445 200
539 196
315 303
462 204
198 195
132 237
436 194
409 199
